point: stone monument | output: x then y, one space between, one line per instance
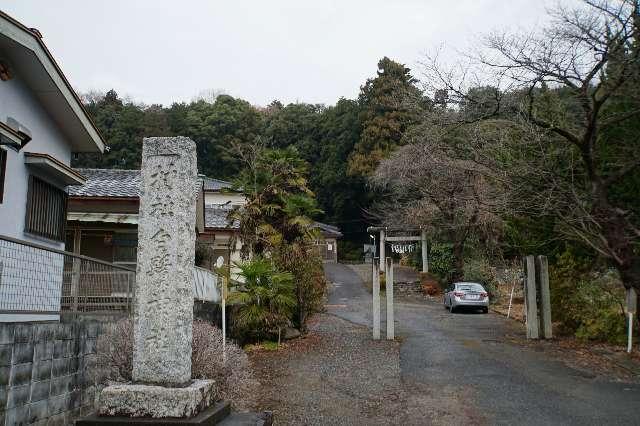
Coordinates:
163 311
166 251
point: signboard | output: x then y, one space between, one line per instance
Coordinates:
403 248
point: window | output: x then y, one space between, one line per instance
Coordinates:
469 287
125 248
46 210
3 167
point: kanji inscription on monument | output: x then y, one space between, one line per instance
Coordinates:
166 247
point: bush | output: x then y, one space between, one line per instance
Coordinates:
305 264
350 251
586 303
266 300
480 271
115 352
204 256
441 261
232 372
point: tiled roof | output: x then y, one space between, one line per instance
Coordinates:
328 230
107 183
212 184
215 216
124 183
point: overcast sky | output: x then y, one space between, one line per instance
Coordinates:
292 50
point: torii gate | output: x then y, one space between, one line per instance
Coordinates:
422 237
386 265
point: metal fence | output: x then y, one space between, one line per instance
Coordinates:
327 251
35 279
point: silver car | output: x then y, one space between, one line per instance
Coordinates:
472 295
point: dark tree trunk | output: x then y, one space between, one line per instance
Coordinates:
630 276
616 232
458 260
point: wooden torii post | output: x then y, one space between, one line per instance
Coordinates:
383 263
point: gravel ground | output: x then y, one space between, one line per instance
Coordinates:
336 375
464 368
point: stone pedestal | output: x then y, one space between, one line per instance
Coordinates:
131 400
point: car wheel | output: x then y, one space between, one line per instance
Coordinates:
485 310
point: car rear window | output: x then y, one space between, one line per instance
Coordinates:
469 287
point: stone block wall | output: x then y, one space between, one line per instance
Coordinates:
410 288
47 372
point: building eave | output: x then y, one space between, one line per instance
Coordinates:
101 198
12 137
32 41
54 167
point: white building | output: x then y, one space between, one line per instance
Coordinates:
42 123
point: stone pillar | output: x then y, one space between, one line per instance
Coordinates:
389 291
425 251
531 304
166 250
382 249
545 296
376 299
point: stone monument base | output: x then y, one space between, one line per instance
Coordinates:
213 415
158 402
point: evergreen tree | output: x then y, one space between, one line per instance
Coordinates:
217 128
123 126
389 105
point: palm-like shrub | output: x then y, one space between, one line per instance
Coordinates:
266 300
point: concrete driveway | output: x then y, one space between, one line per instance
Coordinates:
468 368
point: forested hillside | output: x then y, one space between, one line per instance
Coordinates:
342 143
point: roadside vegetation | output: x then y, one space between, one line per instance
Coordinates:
532 146
231 371
282 272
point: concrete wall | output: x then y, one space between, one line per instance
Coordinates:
17 101
47 372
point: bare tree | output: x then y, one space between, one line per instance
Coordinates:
208 95
565 97
428 184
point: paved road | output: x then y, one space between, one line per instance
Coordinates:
462 368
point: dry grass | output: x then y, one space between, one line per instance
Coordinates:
230 370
